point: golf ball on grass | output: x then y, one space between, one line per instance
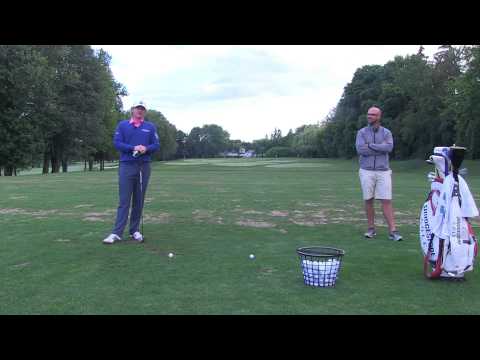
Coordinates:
251 256
170 255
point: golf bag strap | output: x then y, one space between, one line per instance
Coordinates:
472 234
438 264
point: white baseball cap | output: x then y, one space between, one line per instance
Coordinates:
140 103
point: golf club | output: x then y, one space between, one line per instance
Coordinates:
136 153
141 197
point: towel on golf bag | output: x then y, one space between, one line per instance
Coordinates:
444 216
450 223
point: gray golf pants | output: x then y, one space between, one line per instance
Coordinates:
130 192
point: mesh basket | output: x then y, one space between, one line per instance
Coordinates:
320 265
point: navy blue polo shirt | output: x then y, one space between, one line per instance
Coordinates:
127 136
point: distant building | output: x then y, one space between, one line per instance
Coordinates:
231 154
248 154
241 154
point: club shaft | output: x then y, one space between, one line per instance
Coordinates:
141 196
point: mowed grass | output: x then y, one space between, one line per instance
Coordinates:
212 214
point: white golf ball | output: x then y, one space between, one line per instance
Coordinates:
170 255
252 256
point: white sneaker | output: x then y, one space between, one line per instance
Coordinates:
395 236
110 239
371 233
137 236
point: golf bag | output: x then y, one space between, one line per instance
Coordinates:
447 239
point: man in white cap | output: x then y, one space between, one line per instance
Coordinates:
136 139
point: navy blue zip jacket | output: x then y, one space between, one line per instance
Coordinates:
127 136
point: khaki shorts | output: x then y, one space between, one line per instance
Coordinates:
376 184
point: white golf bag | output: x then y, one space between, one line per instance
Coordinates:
447 239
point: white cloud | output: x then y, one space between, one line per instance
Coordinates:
248 90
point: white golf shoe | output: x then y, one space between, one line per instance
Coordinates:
395 236
110 239
371 233
137 236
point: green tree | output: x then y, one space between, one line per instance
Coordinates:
276 137
363 92
207 141
235 145
85 102
181 139
24 90
307 141
279 151
410 90
261 146
167 134
464 103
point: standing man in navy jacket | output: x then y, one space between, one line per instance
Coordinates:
136 140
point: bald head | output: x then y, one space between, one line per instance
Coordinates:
373 116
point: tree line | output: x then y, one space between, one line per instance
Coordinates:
58 102
61 103
425 103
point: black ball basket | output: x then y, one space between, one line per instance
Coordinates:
320 265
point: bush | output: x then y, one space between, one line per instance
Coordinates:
279 151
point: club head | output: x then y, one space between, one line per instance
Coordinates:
457 154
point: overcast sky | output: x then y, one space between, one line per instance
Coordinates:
247 90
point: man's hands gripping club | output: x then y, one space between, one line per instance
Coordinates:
139 150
